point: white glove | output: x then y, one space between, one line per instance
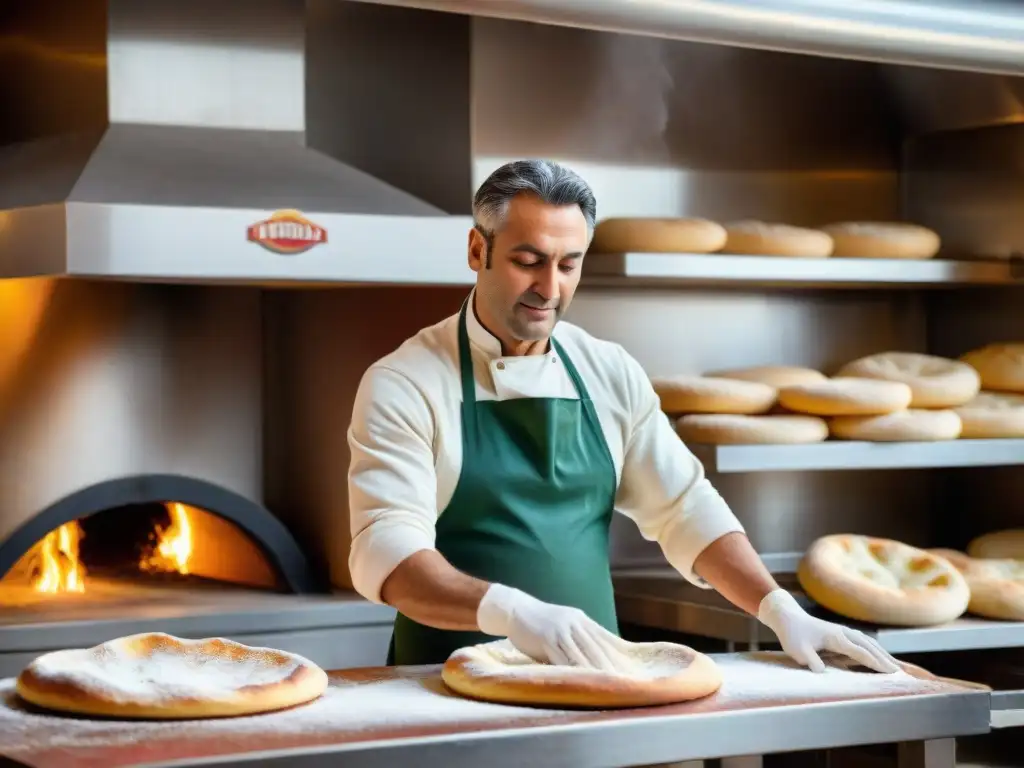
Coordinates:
548 633
802 636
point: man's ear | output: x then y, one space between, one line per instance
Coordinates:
477 250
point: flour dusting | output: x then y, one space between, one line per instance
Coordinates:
343 708
643 661
155 668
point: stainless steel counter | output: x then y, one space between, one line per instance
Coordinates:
377 717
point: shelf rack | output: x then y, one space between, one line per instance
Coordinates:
687 269
668 602
849 455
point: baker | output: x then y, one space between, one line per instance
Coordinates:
491 450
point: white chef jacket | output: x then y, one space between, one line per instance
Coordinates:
406 444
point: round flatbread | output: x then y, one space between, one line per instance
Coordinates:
1005 544
935 382
156 675
992 415
735 429
846 396
881 581
997 585
912 425
763 238
706 394
657 235
660 673
882 240
1001 366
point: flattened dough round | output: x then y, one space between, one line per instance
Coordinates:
657 235
881 581
1005 544
773 375
846 396
882 240
1001 366
155 675
935 382
707 394
761 238
736 429
912 425
997 586
665 673
993 415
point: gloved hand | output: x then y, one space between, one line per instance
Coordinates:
803 636
548 633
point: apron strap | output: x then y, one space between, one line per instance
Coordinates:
466 375
574 375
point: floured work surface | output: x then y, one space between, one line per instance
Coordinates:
384 704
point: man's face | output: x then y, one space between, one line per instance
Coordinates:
527 275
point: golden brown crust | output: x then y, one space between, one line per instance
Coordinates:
85 681
1007 543
882 240
936 382
498 672
846 396
707 394
762 238
997 585
1000 365
657 235
881 581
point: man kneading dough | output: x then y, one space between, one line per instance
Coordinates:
490 451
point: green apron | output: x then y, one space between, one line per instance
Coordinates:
531 510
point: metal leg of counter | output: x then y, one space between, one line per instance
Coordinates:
936 753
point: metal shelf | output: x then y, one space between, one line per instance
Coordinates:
669 602
843 454
682 269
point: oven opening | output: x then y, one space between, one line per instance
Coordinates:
151 547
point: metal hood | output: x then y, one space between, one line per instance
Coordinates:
154 140
974 35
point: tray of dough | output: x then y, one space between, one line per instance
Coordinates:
406 716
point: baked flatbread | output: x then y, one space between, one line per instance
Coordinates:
155 675
660 673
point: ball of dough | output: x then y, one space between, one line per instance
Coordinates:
759 238
1005 544
935 382
997 586
992 415
658 673
912 425
773 375
705 394
1001 366
882 240
733 429
657 235
881 581
156 675
846 396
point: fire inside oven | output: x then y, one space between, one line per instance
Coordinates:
135 548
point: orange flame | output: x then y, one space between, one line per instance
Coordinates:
57 567
174 545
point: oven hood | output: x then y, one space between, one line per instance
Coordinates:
174 141
973 35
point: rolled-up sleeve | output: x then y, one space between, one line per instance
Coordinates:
663 488
392 484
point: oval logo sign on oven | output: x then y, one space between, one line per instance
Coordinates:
287 232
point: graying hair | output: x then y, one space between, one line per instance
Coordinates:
552 183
